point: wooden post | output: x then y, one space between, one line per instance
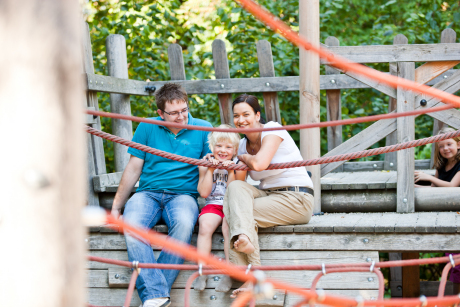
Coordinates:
447 36
309 104
43 170
95 146
391 139
410 277
334 107
395 276
266 69
176 62
117 64
405 133
219 55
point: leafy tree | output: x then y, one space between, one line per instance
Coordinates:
149 28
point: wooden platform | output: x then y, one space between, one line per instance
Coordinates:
331 238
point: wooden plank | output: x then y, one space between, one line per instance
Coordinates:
117 65
116 297
426 222
406 222
343 183
410 277
391 182
363 166
326 222
395 276
447 36
309 93
387 223
329 179
419 241
97 279
405 132
391 139
267 69
333 106
377 85
360 180
398 53
176 62
120 277
379 181
367 222
438 199
450 117
219 55
348 224
445 222
91 98
457 222
106 84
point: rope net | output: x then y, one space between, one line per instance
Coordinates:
262 284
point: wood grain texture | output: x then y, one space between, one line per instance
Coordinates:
222 71
427 288
410 277
309 92
117 65
267 69
334 107
405 133
398 53
176 62
383 238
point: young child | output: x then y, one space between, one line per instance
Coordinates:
447 164
212 186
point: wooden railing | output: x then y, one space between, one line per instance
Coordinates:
440 58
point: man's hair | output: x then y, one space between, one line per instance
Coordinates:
231 137
168 93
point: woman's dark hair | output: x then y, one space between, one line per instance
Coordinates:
252 101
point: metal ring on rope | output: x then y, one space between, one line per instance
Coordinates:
324 268
423 300
452 261
248 269
372 266
200 269
136 265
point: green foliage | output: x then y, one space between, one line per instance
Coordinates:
149 28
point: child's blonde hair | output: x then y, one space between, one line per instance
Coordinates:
439 161
231 137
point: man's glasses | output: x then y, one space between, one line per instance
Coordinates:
176 113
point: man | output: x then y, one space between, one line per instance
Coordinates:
167 190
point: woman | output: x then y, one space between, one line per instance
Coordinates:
284 197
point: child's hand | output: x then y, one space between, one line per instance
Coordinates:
208 157
421 176
227 163
214 161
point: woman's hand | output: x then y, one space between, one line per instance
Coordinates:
421 176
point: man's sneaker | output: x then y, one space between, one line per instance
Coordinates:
157 302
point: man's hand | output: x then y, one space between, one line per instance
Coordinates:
116 213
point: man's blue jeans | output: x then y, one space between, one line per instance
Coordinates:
145 209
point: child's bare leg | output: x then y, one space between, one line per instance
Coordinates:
208 223
245 287
244 245
225 284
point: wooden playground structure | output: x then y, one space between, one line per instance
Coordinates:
371 207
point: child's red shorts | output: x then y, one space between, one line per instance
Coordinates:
216 209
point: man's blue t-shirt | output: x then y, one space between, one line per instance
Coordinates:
159 174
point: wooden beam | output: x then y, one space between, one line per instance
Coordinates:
44 155
447 36
391 139
309 91
334 107
219 55
267 69
106 84
405 132
410 277
176 62
117 65
398 53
